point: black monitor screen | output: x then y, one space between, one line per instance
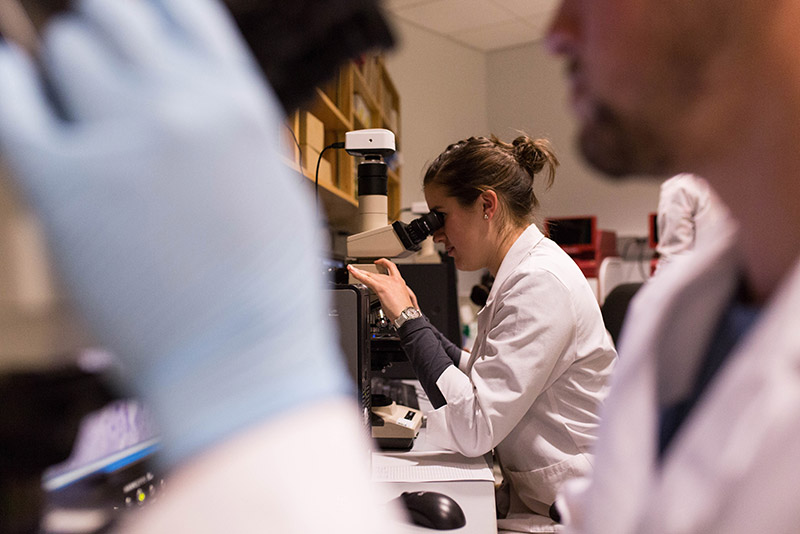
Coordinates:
578 231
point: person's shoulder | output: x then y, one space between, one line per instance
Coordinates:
541 272
684 182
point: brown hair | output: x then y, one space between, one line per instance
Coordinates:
478 164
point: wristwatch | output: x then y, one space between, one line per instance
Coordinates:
409 313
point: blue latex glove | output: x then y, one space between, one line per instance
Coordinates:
182 237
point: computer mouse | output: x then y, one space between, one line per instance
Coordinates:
433 510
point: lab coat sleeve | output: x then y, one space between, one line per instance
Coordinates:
678 202
531 330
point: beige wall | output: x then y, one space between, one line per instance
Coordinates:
443 94
443 90
527 91
449 91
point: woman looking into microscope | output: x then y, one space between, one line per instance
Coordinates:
532 386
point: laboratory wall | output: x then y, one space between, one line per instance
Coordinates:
528 92
443 94
450 91
443 91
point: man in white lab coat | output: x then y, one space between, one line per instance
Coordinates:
701 429
688 213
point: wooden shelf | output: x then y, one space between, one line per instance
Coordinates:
341 209
326 111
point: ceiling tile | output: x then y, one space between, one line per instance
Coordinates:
496 36
539 25
394 5
478 23
526 8
449 16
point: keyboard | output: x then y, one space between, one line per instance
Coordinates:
396 390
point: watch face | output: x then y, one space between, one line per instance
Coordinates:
405 315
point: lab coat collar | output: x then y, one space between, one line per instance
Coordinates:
521 248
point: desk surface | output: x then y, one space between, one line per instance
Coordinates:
476 497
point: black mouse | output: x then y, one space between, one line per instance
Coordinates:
433 510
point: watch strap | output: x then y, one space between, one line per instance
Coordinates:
407 314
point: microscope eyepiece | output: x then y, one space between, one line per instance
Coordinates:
415 232
426 225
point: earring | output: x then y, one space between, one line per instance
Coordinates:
486 216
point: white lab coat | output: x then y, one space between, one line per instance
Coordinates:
734 465
688 212
534 382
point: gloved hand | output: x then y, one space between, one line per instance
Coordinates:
182 237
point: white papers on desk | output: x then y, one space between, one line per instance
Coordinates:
433 466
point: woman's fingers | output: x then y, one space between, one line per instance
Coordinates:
390 289
358 274
390 267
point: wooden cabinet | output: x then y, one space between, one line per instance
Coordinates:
361 96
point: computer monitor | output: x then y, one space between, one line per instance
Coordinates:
436 287
349 308
110 464
576 235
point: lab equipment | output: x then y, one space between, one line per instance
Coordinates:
368 142
349 310
435 286
583 241
396 390
111 470
397 240
378 239
392 425
42 412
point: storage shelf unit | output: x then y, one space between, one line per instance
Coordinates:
361 96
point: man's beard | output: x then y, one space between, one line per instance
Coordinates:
619 147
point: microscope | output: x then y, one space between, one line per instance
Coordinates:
393 425
377 238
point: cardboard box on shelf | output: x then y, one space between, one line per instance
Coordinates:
310 157
312 131
361 111
289 137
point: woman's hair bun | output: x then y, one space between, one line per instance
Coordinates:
533 155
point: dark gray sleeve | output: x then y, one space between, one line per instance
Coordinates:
450 348
430 353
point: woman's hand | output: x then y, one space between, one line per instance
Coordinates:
394 294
